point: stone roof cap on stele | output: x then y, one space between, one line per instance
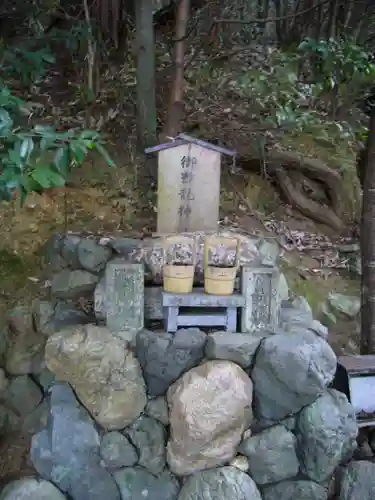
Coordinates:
183 139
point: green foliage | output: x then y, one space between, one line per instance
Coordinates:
302 88
34 158
26 66
337 62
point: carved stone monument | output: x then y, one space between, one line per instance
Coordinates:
188 185
260 287
124 298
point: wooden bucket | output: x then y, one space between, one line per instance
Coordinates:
178 277
220 279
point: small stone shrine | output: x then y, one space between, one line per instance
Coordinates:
188 184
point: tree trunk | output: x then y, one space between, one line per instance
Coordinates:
368 246
146 102
174 121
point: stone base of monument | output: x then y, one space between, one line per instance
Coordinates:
201 309
360 374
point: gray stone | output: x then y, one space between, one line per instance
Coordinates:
158 408
302 305
296 314
23 395
45 378
51 317
31 489
4 383
295 490
12 422
165 357
358 481
67 452
349 306
25 346
269 252
260 288
237 347
124 298
326 431
272 455
283 288
36 421
149 437
54 261
290 371
117 451
289 423
124 246
139 484
3 418
227 483
72 284
68 249
4 339
92 256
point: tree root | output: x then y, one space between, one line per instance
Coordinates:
292 185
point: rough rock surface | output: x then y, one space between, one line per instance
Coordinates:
50 317
358 481
237 347
271 455
326 432
139 484
290 371
25 346
158 408
67 452
117 451
31 489
205 429
23 395
105 375
295 490
227 483
165 357
92 256
71 284
149 437
297 316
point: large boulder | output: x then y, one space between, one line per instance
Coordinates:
67 452
149 437
105 375
117 451
357 482
290 371
139 484
165 357
295 490
227 483
31 489
69 284
272 455
237 347
50 317
209 410
326 433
